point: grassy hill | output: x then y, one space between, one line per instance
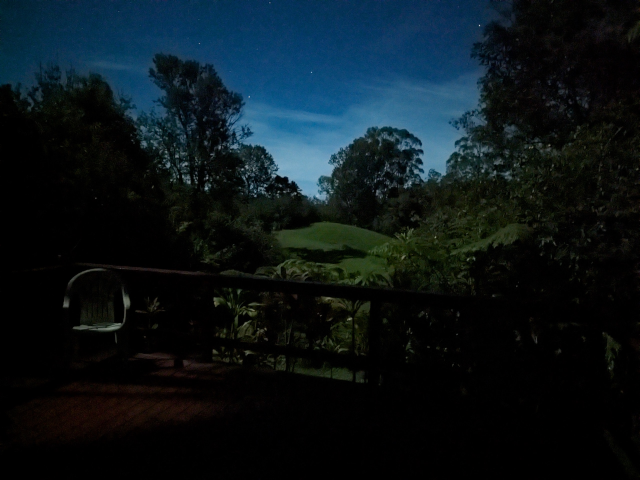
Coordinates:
334 243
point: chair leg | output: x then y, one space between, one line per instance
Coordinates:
122 341
72 354
69 352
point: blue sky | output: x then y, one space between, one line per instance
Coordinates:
314 74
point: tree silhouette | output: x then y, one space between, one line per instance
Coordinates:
197 132
257 170
371 169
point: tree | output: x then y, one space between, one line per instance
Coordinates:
540 197
583 203
551 66
557 110
282 187
87 189
197 143
372 168
197 132
258 169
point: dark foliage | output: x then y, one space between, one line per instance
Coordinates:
258 170
81 187
278 213
373 168
195 136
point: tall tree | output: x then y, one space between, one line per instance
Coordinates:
198 130
258 169
371 169
559 105
551 66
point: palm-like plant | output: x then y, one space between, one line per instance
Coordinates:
237 303
152 308
288 270
285 306
351 309
330 345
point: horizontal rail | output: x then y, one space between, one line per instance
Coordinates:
317 289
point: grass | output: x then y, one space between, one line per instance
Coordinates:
336 244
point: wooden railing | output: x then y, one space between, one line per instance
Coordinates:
455 332
468 312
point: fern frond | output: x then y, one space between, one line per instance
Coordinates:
505 236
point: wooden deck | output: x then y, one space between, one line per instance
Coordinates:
212 420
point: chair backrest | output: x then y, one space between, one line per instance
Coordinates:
96 296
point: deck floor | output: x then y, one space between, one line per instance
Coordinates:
211 420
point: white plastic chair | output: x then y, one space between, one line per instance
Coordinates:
96 301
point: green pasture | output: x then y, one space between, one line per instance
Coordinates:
336 244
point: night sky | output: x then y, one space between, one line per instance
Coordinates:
314 74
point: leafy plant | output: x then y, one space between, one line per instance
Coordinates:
332 346
505 236
237 304
151 311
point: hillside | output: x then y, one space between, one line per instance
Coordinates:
334 243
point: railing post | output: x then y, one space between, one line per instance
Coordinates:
375 323
353 348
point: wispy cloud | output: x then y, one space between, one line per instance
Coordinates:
302 142
266 111
116 66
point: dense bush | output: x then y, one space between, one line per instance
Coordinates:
279 213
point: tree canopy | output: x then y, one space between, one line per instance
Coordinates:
82 179
551 66
258 169
372 168
196 141
540 196
197 132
